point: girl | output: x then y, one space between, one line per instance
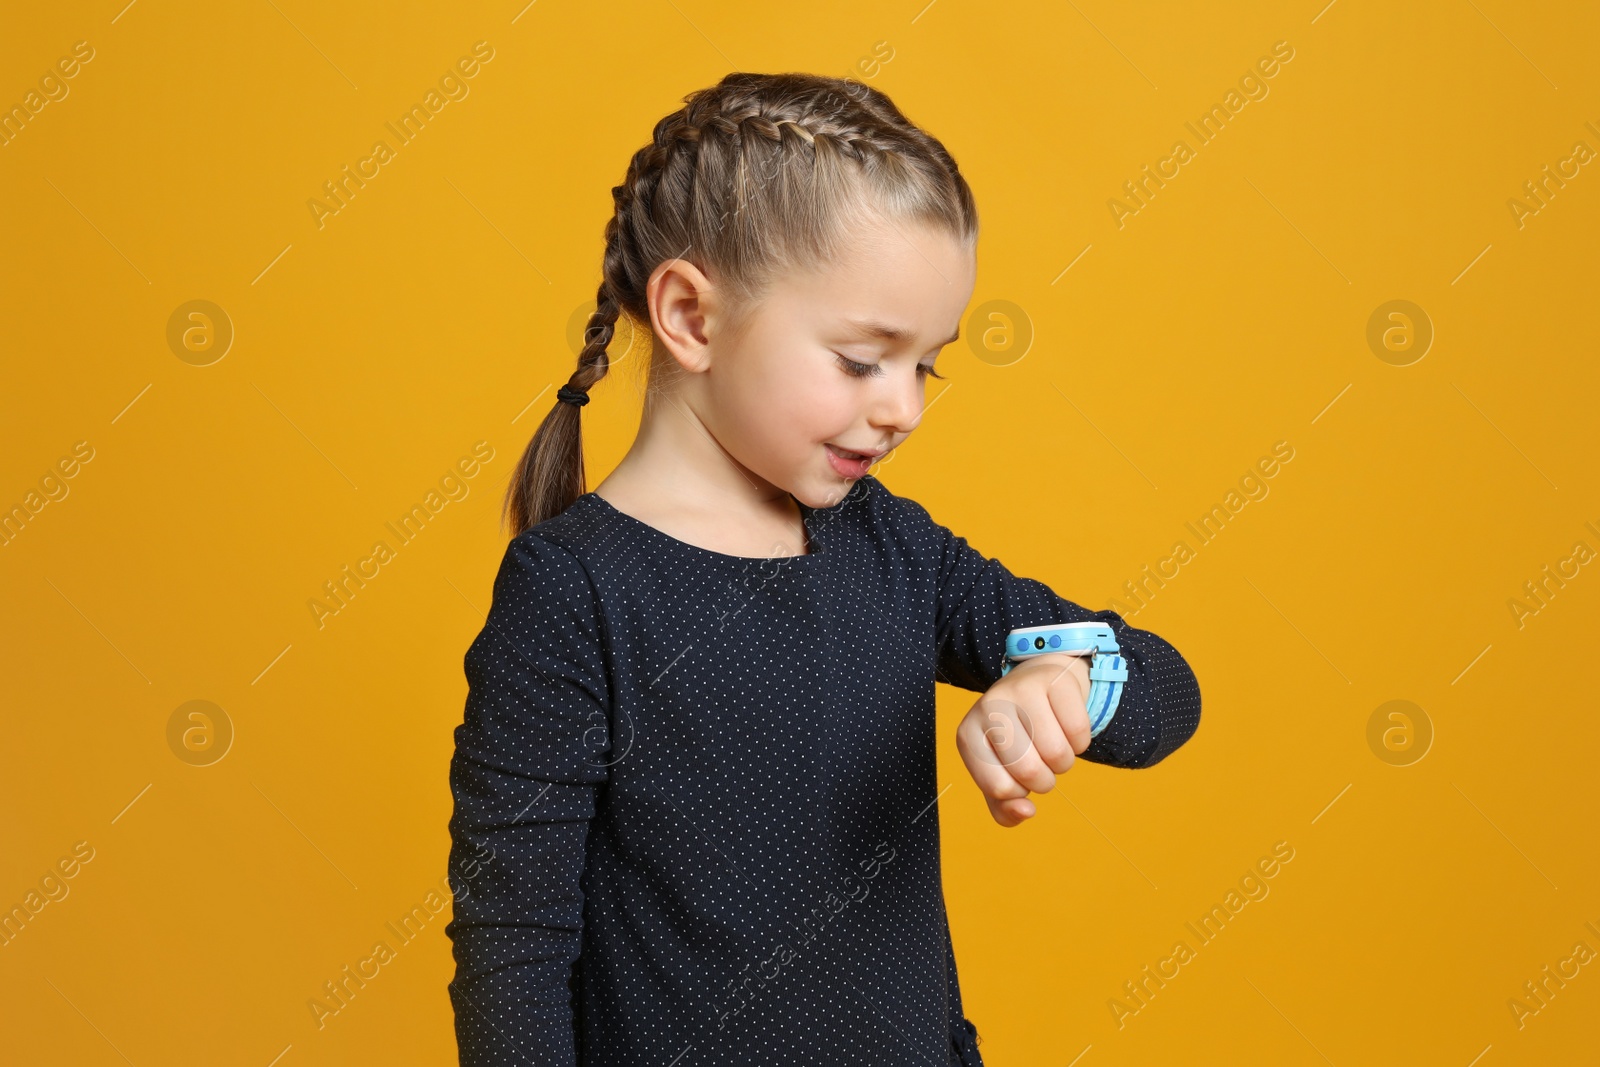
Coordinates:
695 795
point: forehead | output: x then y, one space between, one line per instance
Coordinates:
902 284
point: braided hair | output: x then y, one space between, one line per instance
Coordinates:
756 176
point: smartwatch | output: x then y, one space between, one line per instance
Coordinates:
1107 669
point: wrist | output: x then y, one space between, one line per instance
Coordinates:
1070 660
1057 664
1102 673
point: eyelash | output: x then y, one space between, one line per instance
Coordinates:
869 370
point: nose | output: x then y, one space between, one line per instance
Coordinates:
898 403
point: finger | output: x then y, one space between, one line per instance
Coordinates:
1016 734
1067 694
1010 813
1045 727
991 774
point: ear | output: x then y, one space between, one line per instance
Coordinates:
685 312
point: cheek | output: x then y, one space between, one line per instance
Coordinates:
798 398
817 399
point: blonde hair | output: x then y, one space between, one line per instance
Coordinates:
756 176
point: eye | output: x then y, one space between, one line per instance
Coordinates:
857 370
870 370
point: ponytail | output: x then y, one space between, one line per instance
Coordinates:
550 475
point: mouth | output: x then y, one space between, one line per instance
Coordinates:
851 464
854 455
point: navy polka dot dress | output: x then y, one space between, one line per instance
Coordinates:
695 800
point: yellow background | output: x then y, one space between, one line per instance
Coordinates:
1230 313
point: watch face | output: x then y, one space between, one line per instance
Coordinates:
1074 638
1041 645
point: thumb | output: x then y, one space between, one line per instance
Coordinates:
1011 812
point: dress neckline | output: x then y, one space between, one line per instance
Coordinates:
661 537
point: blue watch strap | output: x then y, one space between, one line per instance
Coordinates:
1108 670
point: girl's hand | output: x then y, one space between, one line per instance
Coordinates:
1026 729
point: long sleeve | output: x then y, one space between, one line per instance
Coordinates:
980 602
964 1037
528 765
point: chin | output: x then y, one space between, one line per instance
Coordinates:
827 493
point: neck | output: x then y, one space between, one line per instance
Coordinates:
677 463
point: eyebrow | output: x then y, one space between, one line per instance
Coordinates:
892 334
